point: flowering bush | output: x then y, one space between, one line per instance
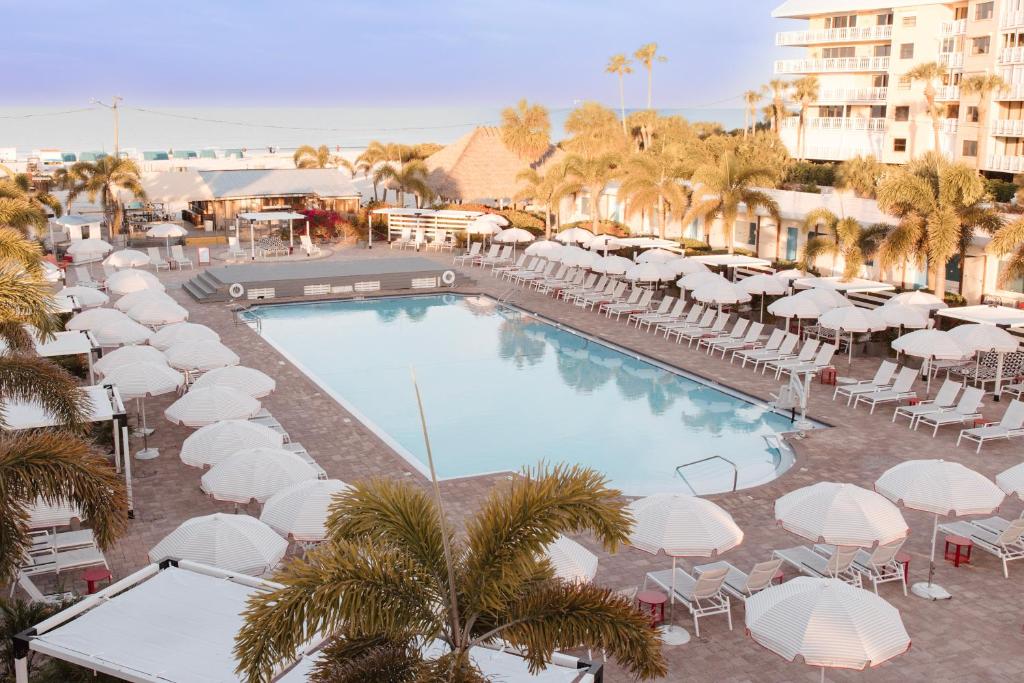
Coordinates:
326 225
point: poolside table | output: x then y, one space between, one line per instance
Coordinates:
958 549
652 602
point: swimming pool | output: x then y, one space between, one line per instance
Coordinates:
503 389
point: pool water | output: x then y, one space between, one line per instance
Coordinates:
503 390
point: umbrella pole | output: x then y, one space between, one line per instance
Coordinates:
146 453
929 590
999 375
670 633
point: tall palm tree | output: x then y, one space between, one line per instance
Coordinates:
545 190
776 90
860 174
648 55
25 296
719 187
593 130
20 185
593 175
394 572
1009 240
526 129
411 177
620 66
930 73
982 85
653 183
846 237
17 211
104 179
805 90
308 156
750 99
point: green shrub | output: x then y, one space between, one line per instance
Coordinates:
1001 190
810 173
694 245
810 187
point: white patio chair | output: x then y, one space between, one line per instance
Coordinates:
944 400
882 380
739 584
156 259
474 251
967 408
1011 425
1006 543
839 565
877 566
702 596
178 256
900 390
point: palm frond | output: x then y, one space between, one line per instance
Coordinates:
815 247
353 659
31 378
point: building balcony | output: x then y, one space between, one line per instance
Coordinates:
1011 55
852 95
835 144
953 28
950 125
1010 19
1008 128
837 123
953 60
947 92
1013 164
1014 92
831 65
834 35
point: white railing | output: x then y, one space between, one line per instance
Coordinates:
953 28
950 125
1010 164
1010 18
834 35
837 123
831 65
1008 127
853 95
947 92
1011 55
952 59
1014 92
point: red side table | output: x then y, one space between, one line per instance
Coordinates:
913 401
904 559
653 603
828 376
94 575
958 549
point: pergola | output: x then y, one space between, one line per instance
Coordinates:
68 343
730 260
856 284
427 220
268 217
1000 316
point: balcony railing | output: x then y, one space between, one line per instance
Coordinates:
1014 92
953 60
947 92
1008 128
953 28
837 123
1010 18
846 95
831 65
950 125
1013 164
834 35
1011 55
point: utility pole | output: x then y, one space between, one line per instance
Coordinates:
115 100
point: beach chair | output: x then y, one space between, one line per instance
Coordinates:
664 306
738 332
728 344
570 277
520 264
882 380
299 450
462 259
552 280
179 258
822 360
156 260
965 409
544 269
674 315
55 562
439 242
877 566
838 565
591 283
36 595
404 239
785 350
612 293
1006 543
806 353
83 278
628 308
503 256
1013 390
44 541
307 246
630 301
267 420
775 340
235 250
702 595
944 400
900 390
740 585
1010 426
492 253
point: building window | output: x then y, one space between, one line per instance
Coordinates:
972 114
902 114
983 10
878 111
980 46
746 233
904 83
899 145
970 148
907 51
880 81
832 111
952 111
835 52
949 45
844 21
882 50
909 22
960 13
885 19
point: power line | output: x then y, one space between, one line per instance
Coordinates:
48 113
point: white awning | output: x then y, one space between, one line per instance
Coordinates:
1003 316
857 284
78 220
730 260
69 343
264 216
30 415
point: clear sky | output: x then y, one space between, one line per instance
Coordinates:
381 53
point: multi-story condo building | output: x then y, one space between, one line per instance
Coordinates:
861 51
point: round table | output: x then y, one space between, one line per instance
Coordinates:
958 549
94 575
652 602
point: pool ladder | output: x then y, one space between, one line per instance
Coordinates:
735 471
507 295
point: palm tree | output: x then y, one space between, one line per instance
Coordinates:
721 186
104 179
847 238
593 175
653 182
648 55
776 90
593 129
19 185
308 156
393 572
982 85
860 174
929 73
18 211
1009 240
545 190
805 90
750 99
620 66
411 177
526 129
25 297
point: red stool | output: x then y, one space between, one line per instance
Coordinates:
828 376
913 401
958 549
980 422
904 559
652 602
94 575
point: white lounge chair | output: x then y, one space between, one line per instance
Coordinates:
944 400
676 313
474 251
1011 425
758 356
178 256
822 360
65 540
702 596
806 354
404 239
235 249
737 333
775 340
83 278
965 409
692 333
664 306
307 246
503 256
698 317
56 562
839 565
156 260
900 390
882 380
520 264
1006 543
630 308
877 566
299 450
740 585
544 269
1013 390
36 595
729 344
612 293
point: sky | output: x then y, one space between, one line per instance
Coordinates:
309 53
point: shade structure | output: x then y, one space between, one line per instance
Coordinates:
790 274
255 474
828 297
852 320
200 355
131 280
721 293
127 258
934 344
237 543
213 443
650 272
87 297
657 255
764 284
1011 481
157 313
941 488
795 306
130 301
247 380
545 248
698 279
89 249
300 511
140 379
514 236
574 236
578 258
604 243
166 230
571 561
95 318
611 265
121 332
685 266
984 339
919 298
826 622
201 407
128 355
483 226
171 335
904 316
841 514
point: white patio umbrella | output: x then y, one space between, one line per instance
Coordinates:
213 443
840 514
141 380
574 236
127 355
514 236
89 249
650 272
604 243
919 298
545 248
681 526
851 320
764 285
60 512
827 622
657 255
300 510
794 306
247 380
941 488
578 258
495 218
571 561
255 474
178 333
167 231
87 297
237 543
685 266
721 293
121 333
129 301
829 298
1011 481
790 274
985 339
95 318
157 313
930 345
903 316
483 226
127 258
698 279
611 265
200 355
131 280
201 407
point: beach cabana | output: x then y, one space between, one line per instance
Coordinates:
269 217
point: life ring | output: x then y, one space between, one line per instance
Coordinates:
236 290
448 277
448 299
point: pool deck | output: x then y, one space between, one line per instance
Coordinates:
976 636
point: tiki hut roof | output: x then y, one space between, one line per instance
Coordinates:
479 166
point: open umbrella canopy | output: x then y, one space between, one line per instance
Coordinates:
495 218
545 248
795 306
650 272
59 512
127 258
841 514
852 319
91 248
95 318
200 355
578 258
1011 481
571 561
300 511
87 297
574 236
903 315
131 280
982 338
255 474
720 293
763 283
939 487
201 407
237 543
213 443
657 255
178 333
166 230
156 313
827 622
604 243
702 277
829 298
682 526
918 298
681 265
483 226
128 355
611 265
120 333
247 380
931 344
514 236
129 301
143 378
790 274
